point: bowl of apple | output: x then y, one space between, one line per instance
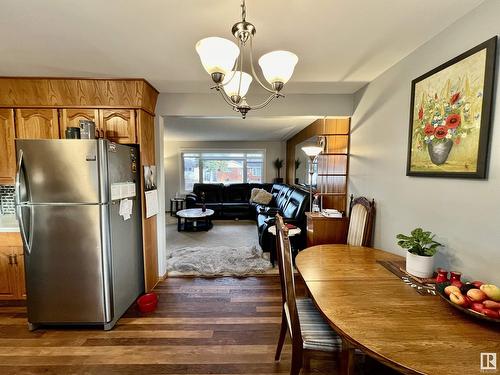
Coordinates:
473 298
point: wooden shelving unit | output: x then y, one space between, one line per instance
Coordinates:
333 164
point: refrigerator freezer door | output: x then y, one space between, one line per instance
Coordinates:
58 171
64 267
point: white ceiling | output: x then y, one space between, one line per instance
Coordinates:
234 128
341 44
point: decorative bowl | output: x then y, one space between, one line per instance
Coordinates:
440 290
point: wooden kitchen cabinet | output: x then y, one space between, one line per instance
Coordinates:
323 230
37 123
118 125
12 284
7 145
70 117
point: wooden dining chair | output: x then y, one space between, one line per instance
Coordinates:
308 330
361 219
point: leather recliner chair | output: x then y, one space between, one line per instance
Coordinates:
291 203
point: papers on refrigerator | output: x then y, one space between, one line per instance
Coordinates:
126 208
121 190
151 203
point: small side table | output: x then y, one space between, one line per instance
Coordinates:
178 203
291 233
323 230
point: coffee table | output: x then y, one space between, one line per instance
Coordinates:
194 219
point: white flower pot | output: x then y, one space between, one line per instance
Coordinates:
419 266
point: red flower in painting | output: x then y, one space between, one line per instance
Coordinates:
441 132
420 113
457 141
429 129
453 121
454 98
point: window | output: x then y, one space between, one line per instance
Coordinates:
222 167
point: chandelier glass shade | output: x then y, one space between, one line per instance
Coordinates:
224 59
217 55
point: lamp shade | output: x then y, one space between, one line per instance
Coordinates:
217 55
278 66
231 88
312 150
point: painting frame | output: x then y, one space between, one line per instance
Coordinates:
481 170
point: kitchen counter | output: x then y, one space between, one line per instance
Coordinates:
8 223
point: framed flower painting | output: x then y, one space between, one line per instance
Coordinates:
450 116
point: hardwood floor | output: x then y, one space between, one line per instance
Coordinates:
202 326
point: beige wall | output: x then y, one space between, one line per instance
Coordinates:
172 161
465 214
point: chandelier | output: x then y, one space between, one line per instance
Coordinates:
223 60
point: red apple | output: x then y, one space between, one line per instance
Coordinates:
491 313
489 304
476 295
452 289
459 299
477 306
457 283
477 283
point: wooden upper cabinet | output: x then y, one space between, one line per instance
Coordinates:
37 124
71 118
118 125
8 157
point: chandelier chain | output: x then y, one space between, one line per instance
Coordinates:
243 11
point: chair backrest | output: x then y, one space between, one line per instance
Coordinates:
361 222
285 264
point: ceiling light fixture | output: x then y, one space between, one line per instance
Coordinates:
223 60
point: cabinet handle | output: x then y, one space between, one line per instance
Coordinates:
10 260
15 259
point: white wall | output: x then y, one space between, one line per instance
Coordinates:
172 163
211 104
464 213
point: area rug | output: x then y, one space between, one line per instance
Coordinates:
218 261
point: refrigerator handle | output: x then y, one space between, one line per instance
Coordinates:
18 201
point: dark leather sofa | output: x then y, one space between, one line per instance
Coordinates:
228 201
232 201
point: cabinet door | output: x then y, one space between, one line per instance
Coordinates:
19 262
8 155
37 123
118 125
8 288
71 118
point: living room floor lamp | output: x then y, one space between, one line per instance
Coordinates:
312 152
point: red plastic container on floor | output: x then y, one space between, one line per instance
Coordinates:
148 302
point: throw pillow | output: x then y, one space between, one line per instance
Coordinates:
253 193
263 197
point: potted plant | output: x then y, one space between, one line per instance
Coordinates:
278 164
421 250
297 165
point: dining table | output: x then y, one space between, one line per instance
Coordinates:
373 310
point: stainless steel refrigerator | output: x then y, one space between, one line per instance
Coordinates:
83 260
